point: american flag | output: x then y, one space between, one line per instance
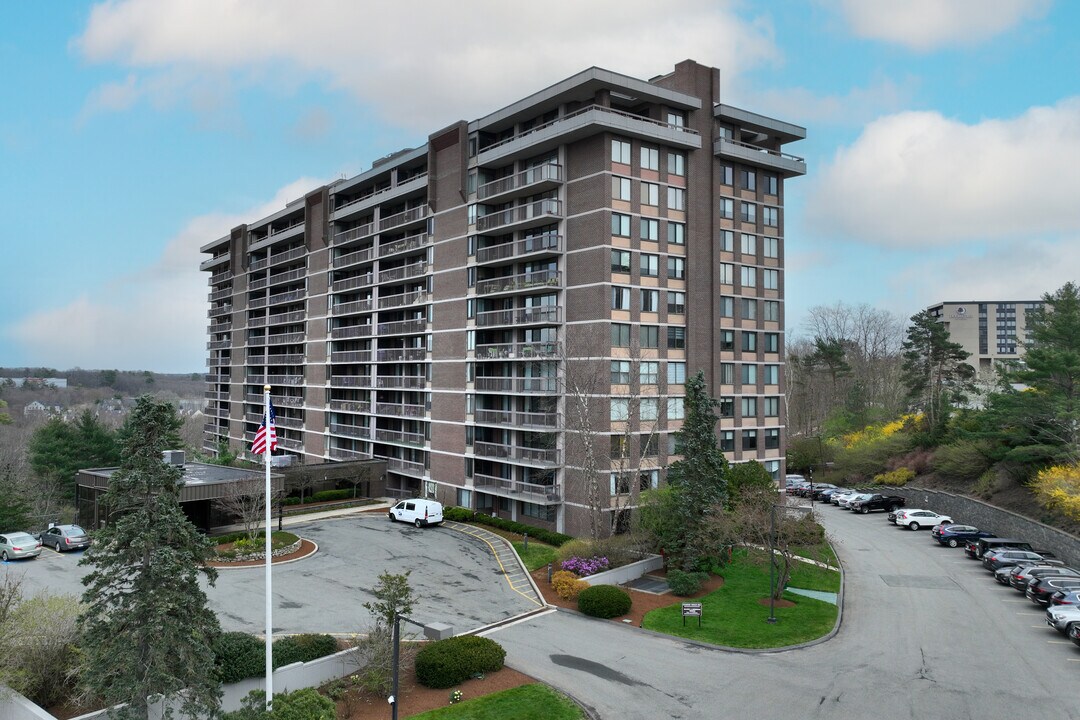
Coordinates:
267 435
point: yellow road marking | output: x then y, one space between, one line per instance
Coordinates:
495 552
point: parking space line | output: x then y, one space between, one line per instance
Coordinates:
1060 642
1019 601
1073 659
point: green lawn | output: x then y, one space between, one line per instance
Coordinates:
537 556
527 702
732 615
823 554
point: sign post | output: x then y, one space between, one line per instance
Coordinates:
692 609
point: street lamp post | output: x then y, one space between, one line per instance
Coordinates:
772 568
433 631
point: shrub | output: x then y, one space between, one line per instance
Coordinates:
303 648
574 548
448 662
963 460
39 640
985 486
1058 488
457 514
584 567
291 501
604 601
306 704
895 478
544 536
328 495
238 655
567 585
685 583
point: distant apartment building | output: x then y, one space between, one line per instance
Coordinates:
990 331
507 314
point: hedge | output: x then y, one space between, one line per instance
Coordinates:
604 601
328 495
460 514
303 648
448 662
304 704
238 655
685 583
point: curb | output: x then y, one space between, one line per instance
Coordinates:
457 527
272 564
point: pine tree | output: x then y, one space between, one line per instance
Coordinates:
934 369
147 629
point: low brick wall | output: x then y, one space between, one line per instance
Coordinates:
1002 523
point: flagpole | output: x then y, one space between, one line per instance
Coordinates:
266 534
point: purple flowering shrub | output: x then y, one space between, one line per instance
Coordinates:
584 567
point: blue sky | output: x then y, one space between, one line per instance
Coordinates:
943 138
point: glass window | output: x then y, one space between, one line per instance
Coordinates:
676 268
749 245
676 233
772 310
748 212
748 276
650 158
676 118
676 302
648 444
727 274
650 301
620 409
727 306
727 440
748 179
620 298
649 372
772 342
650 193
620 372
749 342
772 184
676 373
749 439
727 339
619 447
620 225
748 308
620 261
620 335
650 265
727 208
676 337
676 198
727 175
749 407
772 374
620 152
676 164
650 336
770 247
727 241
749 374
727 373
772 438
771 216
771 406
770 279
650 229
726 407
676 408
648 409
620 188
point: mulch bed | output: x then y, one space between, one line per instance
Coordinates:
306 548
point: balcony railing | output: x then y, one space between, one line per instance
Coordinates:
400 438
414 180
411 215
407 382
278 279
291 444
519 316
276 359
220 311
529 492
401 355
354 258
221 277
275 379
550 172
218 344
346 454
214 261
400 410
283 339
278 400
547 209
354 431
546 243
351 308
499 451
405 467
350 356
517 351
220 294
404 272
516 283
216 395
296 252
517 384
406 244
291 296
280 319
351 406
352 283
403 327
348 381
355 233
517 418
416 297
350 331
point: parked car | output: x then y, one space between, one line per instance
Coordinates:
1007 557
19 546
845 502
877 501
919 519
837 498
820 489
793 485
1066 597
827 495
62 538
893 513
420 512
953 535
1041 589
1021 576
1062 617
982 545
1074 634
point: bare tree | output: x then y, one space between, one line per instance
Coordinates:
245 499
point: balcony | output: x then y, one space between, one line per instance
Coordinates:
276 359
403 327
370 200
534 214
354 258
404 382
216 261
515 418
350 331
220 294
517 351
291 444
216 412
355 233
404 272
401 355
350 381
416 297
277 259
400 410
351 308
527 492
218 361
288 422
278 400
345 454
280 278
547 243
406 244
283 339
275 379
296 229
351 406
359 281
511 453
218 344
531 181
787 165
405 467
397 437
541 315
280 319
220 311
218 378
545 385
350 356
278 299
221 277
216 395
353 431
404 219
517 283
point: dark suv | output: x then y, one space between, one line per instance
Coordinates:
996 559
878 502
954 535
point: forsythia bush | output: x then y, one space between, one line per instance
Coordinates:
871 433
896 478
567 584
1058 488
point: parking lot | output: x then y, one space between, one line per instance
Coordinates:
455 579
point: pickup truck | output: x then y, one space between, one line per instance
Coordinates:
878 502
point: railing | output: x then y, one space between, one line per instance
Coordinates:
403 218
517 384
409 382
355 431
219 311
415 297
516 351
514 283
278 400
400 437
219 378
356 306
352 406
220 294
220 326
400 410
216 429
296 252
275 379
290 444
288 276
218 361
519 316
352 283
216 260
216 395
218 344
288 422
346 454
548 242
285 338
353 258
350 381
530 176
216 412
407 467
403 327
221 277
365 230
548 207
528 491
767 151
275 359
404 272
291 296
401 355
405 244
350 356
279 319
350 331
381 191
517 418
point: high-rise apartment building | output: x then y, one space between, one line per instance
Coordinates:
992 331
508 313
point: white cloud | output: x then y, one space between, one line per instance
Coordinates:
112 97
421 62
856 107
154 319
924 25
920 179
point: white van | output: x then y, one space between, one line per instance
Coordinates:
419 512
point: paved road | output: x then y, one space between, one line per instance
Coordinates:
455 579
926 634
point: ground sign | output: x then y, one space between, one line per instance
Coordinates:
691 610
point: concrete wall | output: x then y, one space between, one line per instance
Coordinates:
1002 523
14 706
626 573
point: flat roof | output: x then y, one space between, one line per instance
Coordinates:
195 473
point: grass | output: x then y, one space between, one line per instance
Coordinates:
527 702
733 617
823 553
537 556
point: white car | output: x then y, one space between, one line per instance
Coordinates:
845 502
1060 617
918 519
837 498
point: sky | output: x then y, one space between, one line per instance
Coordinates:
942 149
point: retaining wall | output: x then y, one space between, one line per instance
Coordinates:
14 706
626 573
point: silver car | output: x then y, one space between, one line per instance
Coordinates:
18 545
65 537
1061 617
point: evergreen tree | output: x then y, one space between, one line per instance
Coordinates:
147 629
934 369
60 449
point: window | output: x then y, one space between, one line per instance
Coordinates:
675 443
676 233
748 179
749 342
676 337
772 438
648 408
650 158
620 152
727 274
749 407
748 212
620 335
726 407
648 445
771 216
620 409
649 372
727 175
727 440
650 336
620 298
772 184
727 340
772 342
727 241
676 164
676 302
772 310
727 208
650 301
771 406
676 198
620 188
749 439
540 512
748 308
770 247
770 279
620 372
650 265
727 306
649 479
749 245
472 214
727 373
676 118
650 193
620 261
676 373
749 374
619 447
748 276
620 225
772 374
650 229
676 268
676 408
